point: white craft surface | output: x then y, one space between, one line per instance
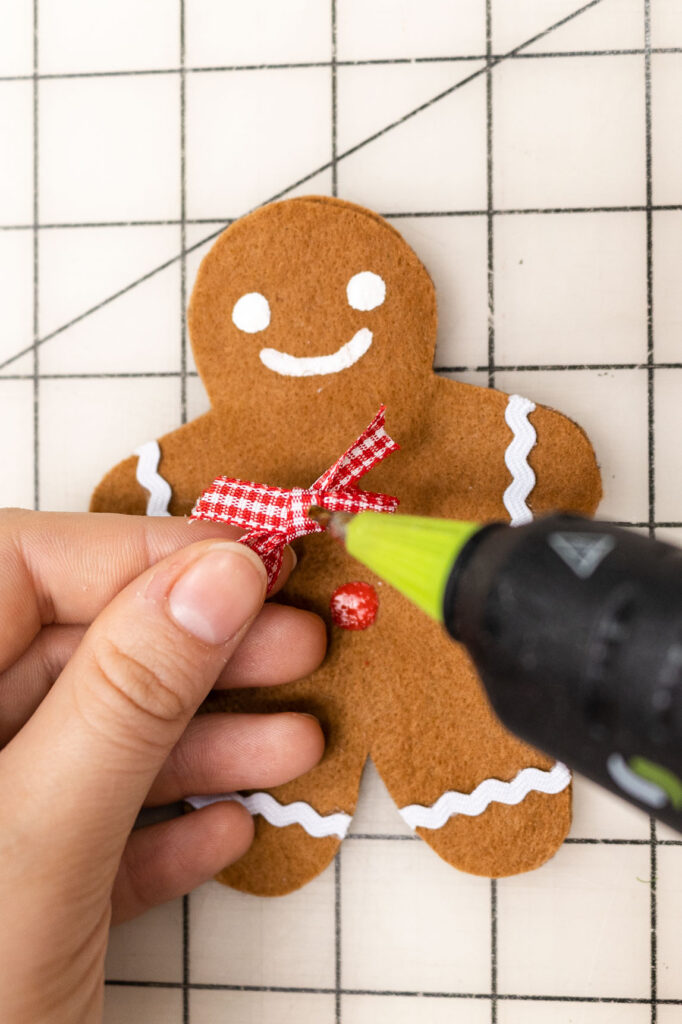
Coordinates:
544 194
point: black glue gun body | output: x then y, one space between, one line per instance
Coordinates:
575 627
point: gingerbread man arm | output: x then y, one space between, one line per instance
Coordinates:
164 477
481 433
119 491
565 466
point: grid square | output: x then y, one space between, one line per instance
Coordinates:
669 917
16 172
76 36
666 23
569 287
598 399
16 424
194 236
87 426
411 923
376 813
137 332
434 161
579 926
668 1015
151 1005
670 535
667 258
666 129
273 128
260 1007
285 941
109 149
526 1012
433 28
393 1010
148 949
370 96
16 38
197 400
598 814
454 251
569 133
668 414
611 25
16 275
260 32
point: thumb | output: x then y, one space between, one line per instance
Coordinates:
89 754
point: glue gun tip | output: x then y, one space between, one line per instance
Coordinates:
334 523
320 515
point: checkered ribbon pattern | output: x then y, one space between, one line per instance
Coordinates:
275 516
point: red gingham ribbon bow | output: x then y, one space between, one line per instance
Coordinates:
275 516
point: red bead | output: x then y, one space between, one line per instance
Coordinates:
354 606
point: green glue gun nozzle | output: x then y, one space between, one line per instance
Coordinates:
414 554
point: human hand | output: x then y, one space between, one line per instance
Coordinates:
134 625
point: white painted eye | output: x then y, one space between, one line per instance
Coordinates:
365 290
251 313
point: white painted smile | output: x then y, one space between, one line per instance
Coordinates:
315 366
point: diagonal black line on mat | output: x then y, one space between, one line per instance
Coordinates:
311 174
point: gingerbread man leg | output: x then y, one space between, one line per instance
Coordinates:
486 802
299 825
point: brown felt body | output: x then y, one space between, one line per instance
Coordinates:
399 691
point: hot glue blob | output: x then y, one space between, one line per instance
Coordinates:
354 606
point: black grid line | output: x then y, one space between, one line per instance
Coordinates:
318 170
334 87
371 62
388 215
493 951
398 993
651 453
570 840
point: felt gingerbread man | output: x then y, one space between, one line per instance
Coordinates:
308 315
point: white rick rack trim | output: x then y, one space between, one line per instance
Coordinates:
148 476
529 780
516 459
280 815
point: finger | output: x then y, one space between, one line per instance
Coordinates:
164 861
27 681
90 753
282 645
65 568
219 753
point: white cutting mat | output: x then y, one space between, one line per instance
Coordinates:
530 151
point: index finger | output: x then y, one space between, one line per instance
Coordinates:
61 567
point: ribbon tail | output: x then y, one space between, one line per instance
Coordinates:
371 447
270 549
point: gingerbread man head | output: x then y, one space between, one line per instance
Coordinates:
311 296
